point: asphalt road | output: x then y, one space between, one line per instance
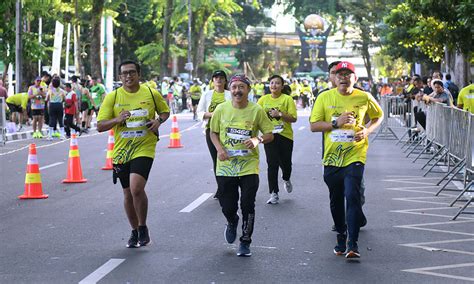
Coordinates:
79 233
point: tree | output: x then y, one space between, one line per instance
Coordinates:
437 30
94 56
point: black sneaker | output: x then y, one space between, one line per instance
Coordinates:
244 250
133 241
353 250
340 247
230 232
143 236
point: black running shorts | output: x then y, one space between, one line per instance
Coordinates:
140 165
37 112
14 108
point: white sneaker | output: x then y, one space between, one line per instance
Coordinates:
288 186
273 199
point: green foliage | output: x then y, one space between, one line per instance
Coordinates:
420 29
390 67
211 65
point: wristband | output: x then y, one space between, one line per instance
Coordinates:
161 120
260 139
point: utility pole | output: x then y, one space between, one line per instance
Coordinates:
189 65
18 48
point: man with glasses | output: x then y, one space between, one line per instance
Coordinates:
131 111
339 113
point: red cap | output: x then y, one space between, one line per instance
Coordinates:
345 65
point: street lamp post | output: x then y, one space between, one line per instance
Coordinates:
18 48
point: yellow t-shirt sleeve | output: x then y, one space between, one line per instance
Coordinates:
317 113
291 107
161 105
265 125
374 110
216 118
106 110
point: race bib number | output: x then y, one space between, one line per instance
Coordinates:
238 134
137 118
235 153
342 135
278 128
133 134
94 95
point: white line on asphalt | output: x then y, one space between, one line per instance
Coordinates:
50 166
196 203
100 272
427 271
302 127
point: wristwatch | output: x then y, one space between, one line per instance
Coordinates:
334 124
260 139
161 120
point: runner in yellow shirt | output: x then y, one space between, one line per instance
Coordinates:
235 127
196 92
339 113
466 98
17 105
281 111
131 111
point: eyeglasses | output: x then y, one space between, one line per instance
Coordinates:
130 73
344 75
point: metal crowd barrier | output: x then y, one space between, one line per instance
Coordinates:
448 139
397 115
3 122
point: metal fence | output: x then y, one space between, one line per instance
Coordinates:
447 140
3 122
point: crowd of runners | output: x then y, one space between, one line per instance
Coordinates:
238 115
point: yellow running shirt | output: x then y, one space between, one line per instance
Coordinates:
20 99
196 92
295 90
466 98
283 103
340 149
132 138
217 99
234 126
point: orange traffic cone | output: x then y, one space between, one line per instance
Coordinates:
33 186
110 151
74 169
175 137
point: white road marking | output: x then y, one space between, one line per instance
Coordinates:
301 128
427 271
201 199
50 166
100 272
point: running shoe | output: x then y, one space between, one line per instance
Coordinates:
353 250
230 232
40 135
340 247
35 135
244 250
143 236
288 186
133 241
273 198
